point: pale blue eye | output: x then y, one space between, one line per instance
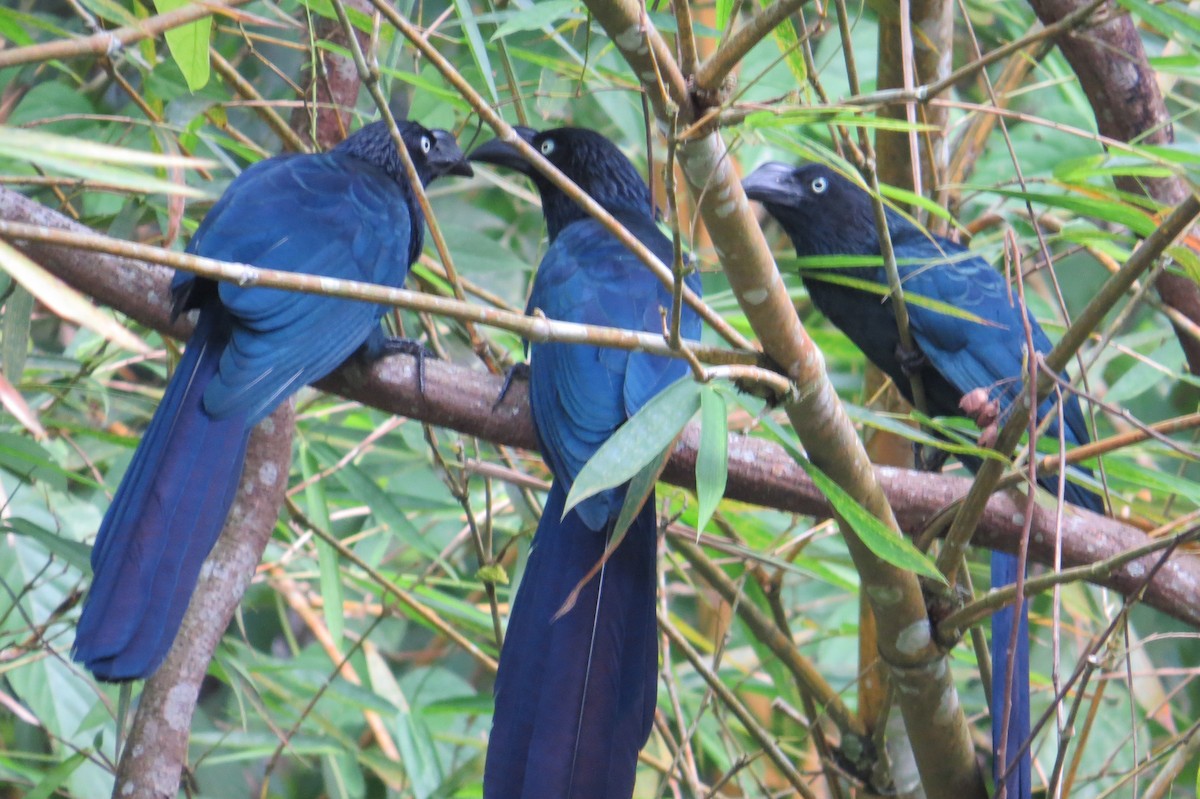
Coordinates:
819 185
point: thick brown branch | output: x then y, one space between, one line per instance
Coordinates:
759 472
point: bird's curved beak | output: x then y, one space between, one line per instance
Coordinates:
770 183
503 154
445 158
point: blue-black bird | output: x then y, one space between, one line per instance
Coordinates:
966 367
349 213
575 693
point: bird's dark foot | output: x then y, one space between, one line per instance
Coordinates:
940 602
985 412
381 346
518 371
762 389
929 459
910 360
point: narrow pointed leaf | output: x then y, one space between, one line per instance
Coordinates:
477 45
639 490
188 45
65 301
637 442
14 333
712 461
327 556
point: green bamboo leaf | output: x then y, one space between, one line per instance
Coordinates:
886 543
789 45
14 334
901 197
724 10
93 161
21 455
188 45
1186 257
55 777
849 116
1170 22
13 402
1135 477
712 461
1079 170
535 17
317 506
111 11
423 84
65 301
477 45
637 442
919 300
72 552
1122 213
383 507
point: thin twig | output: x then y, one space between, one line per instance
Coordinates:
534 328
109 42
712 73
506 134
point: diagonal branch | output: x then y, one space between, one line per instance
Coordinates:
717 67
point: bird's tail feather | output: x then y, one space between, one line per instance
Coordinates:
1014 770
164 519
575 696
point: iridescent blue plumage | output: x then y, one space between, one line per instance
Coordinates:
575 695
347 214
825 214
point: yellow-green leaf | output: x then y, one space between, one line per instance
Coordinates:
188 44
637 442
712 461
65 301
94 161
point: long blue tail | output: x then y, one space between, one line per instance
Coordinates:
575 695
164 519
1014 770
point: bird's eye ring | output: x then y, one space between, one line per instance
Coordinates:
819 185
426 144
547 147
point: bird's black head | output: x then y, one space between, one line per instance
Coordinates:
823 212
593 162
433 152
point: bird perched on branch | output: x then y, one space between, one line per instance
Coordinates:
575 693
972 367
350 213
